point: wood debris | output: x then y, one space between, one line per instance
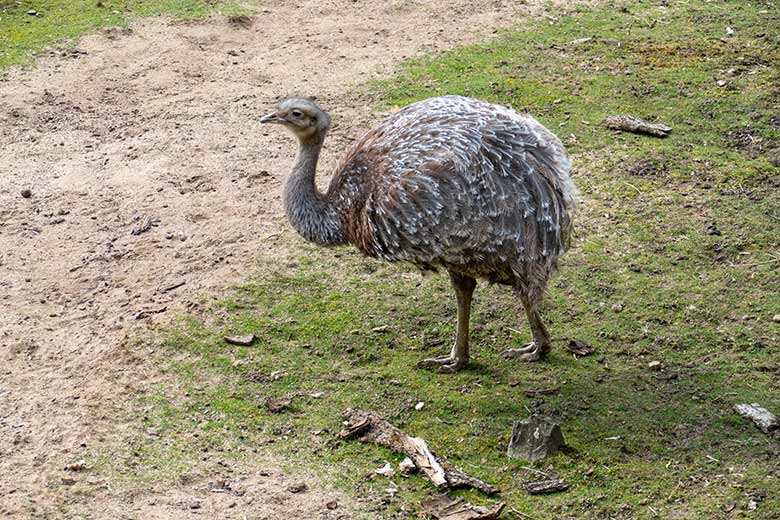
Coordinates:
243 340
543 487
370 427
445 507
172 286
143 224
580 348
761 417
626 123
542 391
145 313
277 405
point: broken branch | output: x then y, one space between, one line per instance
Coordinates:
370 427
636 125
446 507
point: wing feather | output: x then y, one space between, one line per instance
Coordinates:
454 180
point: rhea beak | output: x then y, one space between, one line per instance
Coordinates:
271 118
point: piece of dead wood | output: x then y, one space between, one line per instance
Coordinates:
144 223
543 487
145 313
580 348
172 286
626 123
445 507
370 427
277 405
542 391
244 340
243 21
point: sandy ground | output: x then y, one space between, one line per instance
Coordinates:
158 125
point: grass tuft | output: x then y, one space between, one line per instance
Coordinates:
30 26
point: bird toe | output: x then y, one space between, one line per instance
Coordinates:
445 364
529 353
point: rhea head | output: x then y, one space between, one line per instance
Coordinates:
303 117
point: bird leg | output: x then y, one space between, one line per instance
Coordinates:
459 357
541 343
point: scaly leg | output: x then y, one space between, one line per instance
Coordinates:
459 357
541 344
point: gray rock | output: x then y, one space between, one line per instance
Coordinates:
535 438
763 418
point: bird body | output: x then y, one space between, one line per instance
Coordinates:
451 182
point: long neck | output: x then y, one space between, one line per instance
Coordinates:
308 210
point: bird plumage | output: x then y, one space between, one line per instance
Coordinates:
452 182
456 181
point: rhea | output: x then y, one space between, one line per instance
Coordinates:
449 182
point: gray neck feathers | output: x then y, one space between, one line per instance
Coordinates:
308 210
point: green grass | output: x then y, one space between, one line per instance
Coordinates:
676 261
62 21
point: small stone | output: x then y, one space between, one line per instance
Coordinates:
32 12
776 318
535 438
617 307
76 466
761 417
419 406
241 340
713 230
654 365
332 505
26 193
298 488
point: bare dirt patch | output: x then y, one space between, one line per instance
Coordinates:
151 184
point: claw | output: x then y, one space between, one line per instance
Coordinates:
444 364
529 353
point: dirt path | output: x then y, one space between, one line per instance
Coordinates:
158 126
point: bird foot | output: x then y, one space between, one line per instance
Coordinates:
529 353
446 364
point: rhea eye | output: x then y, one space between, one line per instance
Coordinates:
296 113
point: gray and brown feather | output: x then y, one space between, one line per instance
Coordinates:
450 182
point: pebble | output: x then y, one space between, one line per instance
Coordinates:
535 438
26 193
298 488
776 318
76 466
654 365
